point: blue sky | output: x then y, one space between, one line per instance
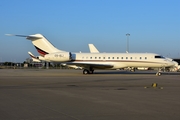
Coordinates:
154 26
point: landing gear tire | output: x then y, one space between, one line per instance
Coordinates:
158 74
85 71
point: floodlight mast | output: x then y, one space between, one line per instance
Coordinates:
127 49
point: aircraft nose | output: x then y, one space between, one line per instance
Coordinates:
171 63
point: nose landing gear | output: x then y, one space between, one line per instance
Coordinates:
158 73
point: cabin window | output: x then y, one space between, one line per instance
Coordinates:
145 58
95 57
126 57
131 58
90 57
108 57
112 57
104 57
140 58
117 57
99 57
121 57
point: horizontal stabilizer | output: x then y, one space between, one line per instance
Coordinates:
42 45
27 36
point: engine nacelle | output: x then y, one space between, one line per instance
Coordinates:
58 57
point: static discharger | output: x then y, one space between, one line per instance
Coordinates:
154 85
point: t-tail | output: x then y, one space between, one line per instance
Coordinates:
42 45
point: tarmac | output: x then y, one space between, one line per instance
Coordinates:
56 94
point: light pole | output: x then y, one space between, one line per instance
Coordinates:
127 50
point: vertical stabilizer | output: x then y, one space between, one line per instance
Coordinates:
42 45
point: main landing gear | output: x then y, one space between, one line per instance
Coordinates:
86 71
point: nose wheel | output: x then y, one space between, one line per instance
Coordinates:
158 74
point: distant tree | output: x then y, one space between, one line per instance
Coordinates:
9 63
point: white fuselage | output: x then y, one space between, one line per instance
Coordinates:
122 60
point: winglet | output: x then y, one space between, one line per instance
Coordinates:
34 58
93 49
32 55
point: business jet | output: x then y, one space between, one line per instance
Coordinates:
92 61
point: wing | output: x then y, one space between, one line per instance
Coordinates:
94 65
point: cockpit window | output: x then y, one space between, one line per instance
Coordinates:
159 57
